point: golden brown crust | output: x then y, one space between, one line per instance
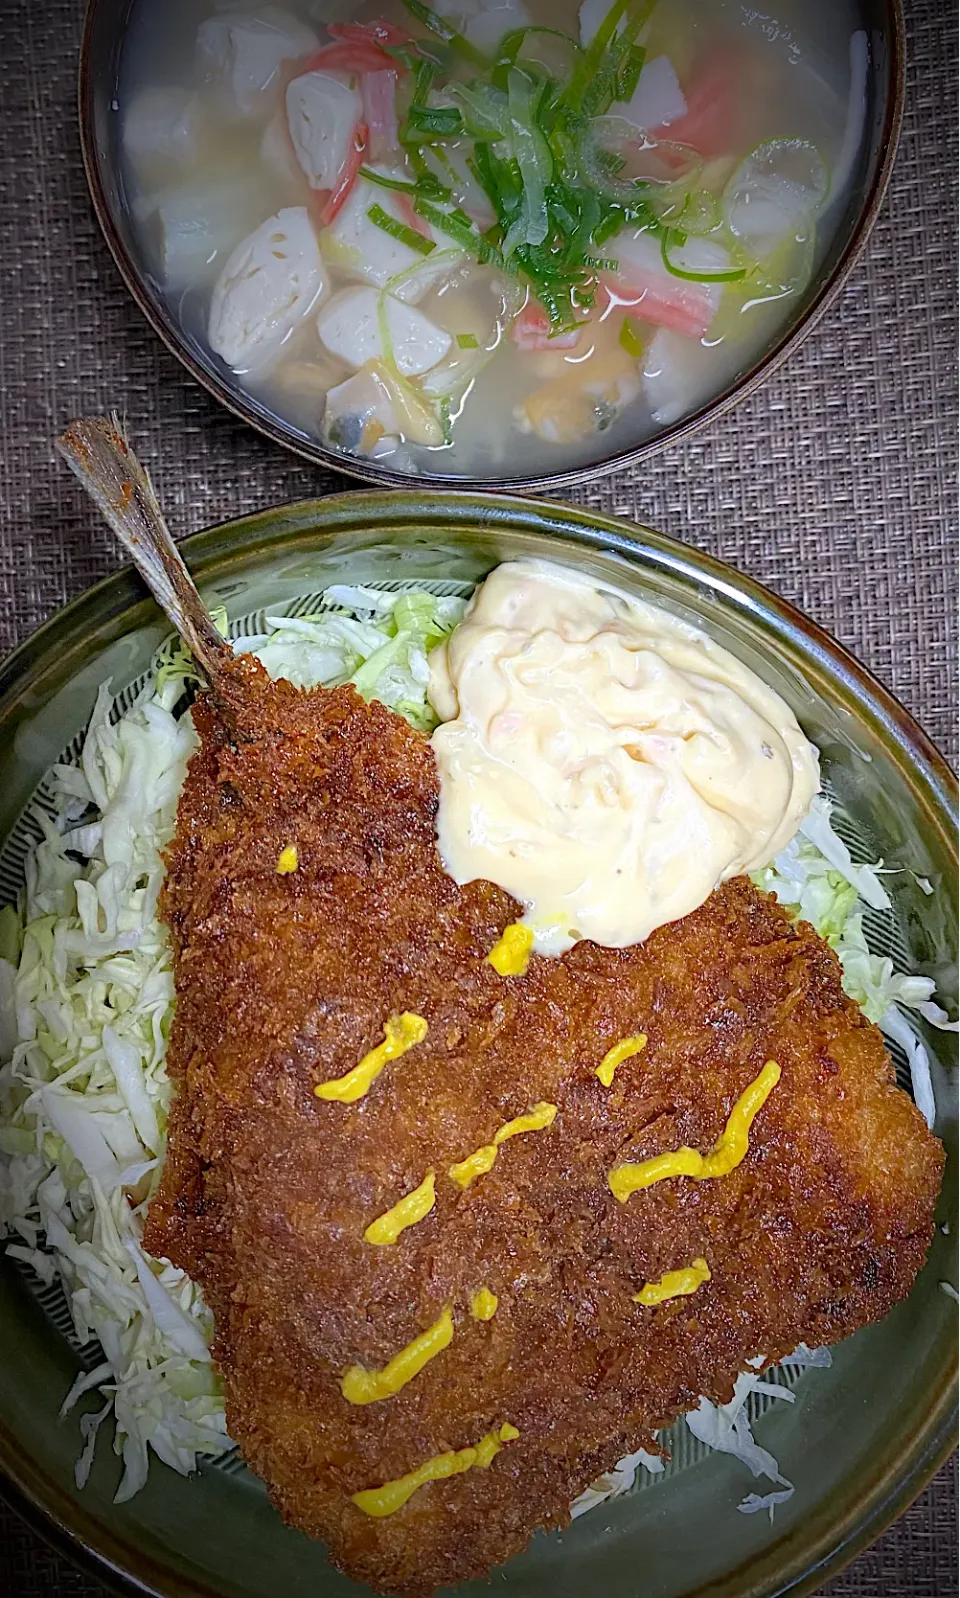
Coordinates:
284 981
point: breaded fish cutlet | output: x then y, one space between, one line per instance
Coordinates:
285 980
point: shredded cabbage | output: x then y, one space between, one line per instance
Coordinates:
84 1094
377 641
815 877
86 1003
614 1483
726 1427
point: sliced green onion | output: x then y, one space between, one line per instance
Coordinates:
630 72
592 73
427 180
468 237
426 72
601 165
513 48
510 44
468 341
609 161
588 68
412 55
673 239
537 151
534 160
630 339
500 180
446 420
485 106
410 274
688 211
399 230
449 35
386 342
434 188
436 119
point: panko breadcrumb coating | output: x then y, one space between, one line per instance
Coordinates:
285 980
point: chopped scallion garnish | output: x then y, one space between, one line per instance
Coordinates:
449 35
630 72
630 339
400 231
440 119
672 239
468 341
459 227
534 136
396 184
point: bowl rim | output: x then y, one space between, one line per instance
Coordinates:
58 1515
319 454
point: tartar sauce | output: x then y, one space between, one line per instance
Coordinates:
604 761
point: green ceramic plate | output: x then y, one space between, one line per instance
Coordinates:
865 1435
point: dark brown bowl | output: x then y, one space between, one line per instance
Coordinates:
99 68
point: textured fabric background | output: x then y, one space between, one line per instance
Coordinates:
836 484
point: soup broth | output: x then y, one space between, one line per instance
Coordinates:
487 238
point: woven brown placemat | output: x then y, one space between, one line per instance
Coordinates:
836 484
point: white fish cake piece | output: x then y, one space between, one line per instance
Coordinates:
678 376
267 288
276 152
323 109
359 245
349 326
456 11
593 13
192 227
242 54
362 248
493 19
162 129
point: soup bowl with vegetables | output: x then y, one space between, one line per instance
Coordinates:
487 241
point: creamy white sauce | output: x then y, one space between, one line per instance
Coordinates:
603 761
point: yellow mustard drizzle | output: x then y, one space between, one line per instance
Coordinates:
510 955
401 1032
287 860
386 1500
483 1304
727 1152
406 1212
476 1164
674 1284
361 1386
624 1050
482 1160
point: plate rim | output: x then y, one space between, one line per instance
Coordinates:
118 600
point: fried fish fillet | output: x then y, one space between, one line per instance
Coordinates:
285 981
